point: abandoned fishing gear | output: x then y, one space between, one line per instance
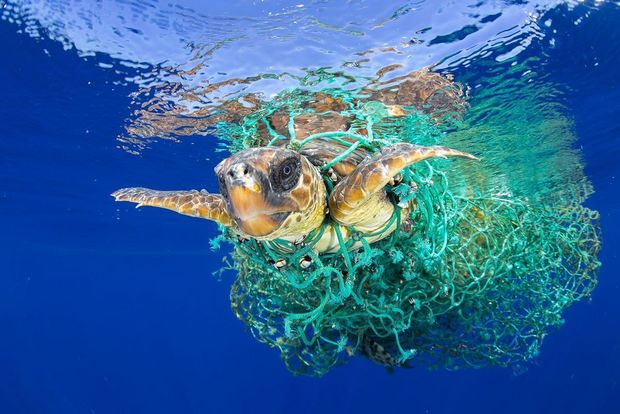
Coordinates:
470 278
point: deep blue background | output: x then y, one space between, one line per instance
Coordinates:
106 309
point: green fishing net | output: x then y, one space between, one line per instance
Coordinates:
477 278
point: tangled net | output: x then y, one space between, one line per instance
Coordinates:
478 280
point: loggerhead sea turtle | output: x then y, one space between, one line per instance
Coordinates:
275 192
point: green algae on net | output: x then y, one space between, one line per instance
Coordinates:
481 260
478 280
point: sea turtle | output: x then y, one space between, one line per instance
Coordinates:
271 193
279 192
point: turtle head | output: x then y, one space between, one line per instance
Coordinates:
272 192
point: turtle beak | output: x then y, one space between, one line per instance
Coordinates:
252 212
240 175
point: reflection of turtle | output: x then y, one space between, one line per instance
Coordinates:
275 192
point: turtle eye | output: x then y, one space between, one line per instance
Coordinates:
286 175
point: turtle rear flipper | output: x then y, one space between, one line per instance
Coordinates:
191 203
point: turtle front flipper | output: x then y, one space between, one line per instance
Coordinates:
360 199
191 203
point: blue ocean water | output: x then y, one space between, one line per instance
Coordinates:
107 309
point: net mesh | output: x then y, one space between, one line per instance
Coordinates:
476 279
